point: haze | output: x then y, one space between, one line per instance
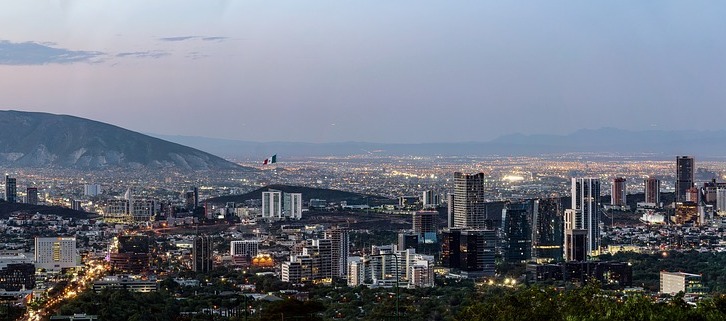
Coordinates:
376 71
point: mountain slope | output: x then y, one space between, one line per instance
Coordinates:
329 195
43 139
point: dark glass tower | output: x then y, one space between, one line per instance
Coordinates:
685 166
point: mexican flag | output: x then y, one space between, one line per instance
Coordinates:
270 160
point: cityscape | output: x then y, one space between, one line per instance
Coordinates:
216 160
290 232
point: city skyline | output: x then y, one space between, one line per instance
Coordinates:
324 71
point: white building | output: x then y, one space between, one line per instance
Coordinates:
721 200
674 282
91 190
292 207
244 248
55 253
586 200
272 204
380 269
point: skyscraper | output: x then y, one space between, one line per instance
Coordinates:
469 250
518 231
685 166
31 195
271 204
202 254
547 230
429 199
586 200
618 193
469 208
11 189
652 191
340 250
424 225
576 239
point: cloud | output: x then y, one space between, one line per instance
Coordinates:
144 54
185 38
33 53
214 38
182 38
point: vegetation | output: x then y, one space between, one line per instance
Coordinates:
647 267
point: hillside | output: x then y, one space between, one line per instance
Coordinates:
30 139
308 193
8 208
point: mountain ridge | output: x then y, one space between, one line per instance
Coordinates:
35 139
709 143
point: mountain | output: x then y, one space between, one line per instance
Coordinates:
33 139
329 195
656 143
7 208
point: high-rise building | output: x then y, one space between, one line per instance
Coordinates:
586 200
470 251
685 168
31 195
91 190
618 195
576 239
11 189
547 230
407 240
450 210
117 211
202 254
131 254
17 273
652 191
292 205
424 224
272 204
55 253
721 200
429 199
340 238
142 210
469 201
517 228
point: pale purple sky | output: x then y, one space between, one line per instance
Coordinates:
377 71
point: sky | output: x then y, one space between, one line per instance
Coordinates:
374 71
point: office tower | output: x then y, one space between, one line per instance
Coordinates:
469 208
340 238
429 199
17 273
11 189
547 230
91 190
424 224
517 228
407 240
292 205
202 254
32 195
55 253
618 193
272 204
576 239
471 251
244 248
131 254
652 191
685 167
586 200
189 200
